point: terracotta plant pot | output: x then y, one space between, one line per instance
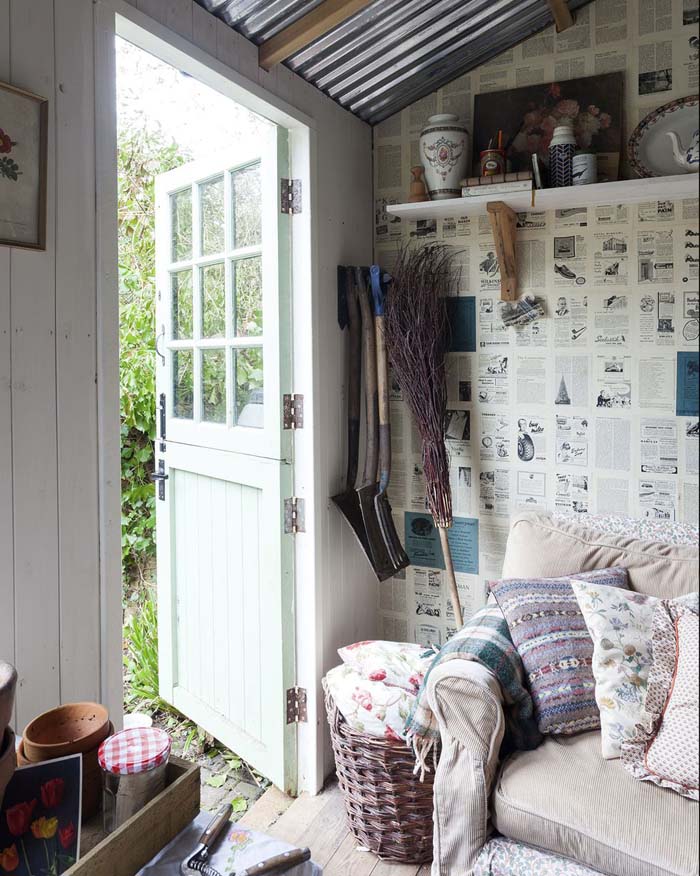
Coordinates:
92 776
8 760
8 682
70 729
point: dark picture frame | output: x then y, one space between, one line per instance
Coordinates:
23 164
528 115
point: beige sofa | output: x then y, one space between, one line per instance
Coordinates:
562 797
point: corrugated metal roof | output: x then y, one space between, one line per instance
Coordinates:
393 52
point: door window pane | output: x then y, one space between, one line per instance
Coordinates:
211 204
213 292
247 291
214 386
248 377
247 222
183 384
181 225
181 289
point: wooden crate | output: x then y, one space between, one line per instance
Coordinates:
132 846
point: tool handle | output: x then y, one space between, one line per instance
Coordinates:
279 863
382 381
215 826
354 379
370 362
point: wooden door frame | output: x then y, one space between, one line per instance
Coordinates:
117 17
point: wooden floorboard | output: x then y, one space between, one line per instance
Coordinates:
319 823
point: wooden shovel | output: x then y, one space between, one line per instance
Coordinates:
398 555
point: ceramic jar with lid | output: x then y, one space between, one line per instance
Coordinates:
561 156
444 147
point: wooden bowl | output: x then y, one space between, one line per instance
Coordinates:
8 760
8 681
71 729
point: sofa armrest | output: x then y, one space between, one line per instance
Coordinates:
468 703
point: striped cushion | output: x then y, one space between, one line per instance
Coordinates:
548 629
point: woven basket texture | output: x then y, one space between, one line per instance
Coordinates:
389 810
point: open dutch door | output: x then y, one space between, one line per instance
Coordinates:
223 460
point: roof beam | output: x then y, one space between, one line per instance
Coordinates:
326 16
562 14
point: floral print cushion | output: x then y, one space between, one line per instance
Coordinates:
644 529
397 664
371 707
504 857
665 749
620 624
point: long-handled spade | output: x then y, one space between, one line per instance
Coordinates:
398 555
380 557
347 501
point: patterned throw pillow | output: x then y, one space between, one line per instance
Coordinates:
370 707
620 625
666 746
549 631
397 664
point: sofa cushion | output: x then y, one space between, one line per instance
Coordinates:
564 798
540 545
548 629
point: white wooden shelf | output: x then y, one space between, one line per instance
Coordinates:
632 191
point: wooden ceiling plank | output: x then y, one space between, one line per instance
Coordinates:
309 27
562 14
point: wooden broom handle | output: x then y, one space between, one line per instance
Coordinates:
452 581
354 380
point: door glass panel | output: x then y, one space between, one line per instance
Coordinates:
248 376
247 286
214 386
211 205
247 220
213 291
181 225
183 384
181 288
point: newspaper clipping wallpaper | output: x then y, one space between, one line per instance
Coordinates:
594 408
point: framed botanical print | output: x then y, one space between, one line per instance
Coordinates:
23 139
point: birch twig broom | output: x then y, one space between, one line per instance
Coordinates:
417 336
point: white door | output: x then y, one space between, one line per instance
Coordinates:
223 460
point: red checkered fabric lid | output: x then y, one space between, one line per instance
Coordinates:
134 751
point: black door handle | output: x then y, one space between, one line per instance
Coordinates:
159 476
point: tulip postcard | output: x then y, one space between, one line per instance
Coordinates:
40 818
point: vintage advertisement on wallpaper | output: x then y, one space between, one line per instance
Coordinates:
592 409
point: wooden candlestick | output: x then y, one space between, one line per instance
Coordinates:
418 191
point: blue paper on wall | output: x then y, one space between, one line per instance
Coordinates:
461 313
688 385
423 542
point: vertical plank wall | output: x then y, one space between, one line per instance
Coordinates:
49 483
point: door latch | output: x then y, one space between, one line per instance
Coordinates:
161 416
159 477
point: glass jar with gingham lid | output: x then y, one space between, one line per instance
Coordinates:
134 764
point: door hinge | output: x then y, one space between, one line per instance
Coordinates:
290 196
294 520
293 411
297 710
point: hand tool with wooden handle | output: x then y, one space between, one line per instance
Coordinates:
197 861
278 864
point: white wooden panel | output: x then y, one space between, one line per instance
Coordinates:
34 401
175 14
76 356
204 29
7 590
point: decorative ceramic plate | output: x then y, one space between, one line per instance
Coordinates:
650 150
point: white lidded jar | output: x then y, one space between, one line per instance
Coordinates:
444 147
561 156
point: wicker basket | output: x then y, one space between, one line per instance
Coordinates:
390 811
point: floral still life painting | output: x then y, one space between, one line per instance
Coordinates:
23 137
528 116
40 818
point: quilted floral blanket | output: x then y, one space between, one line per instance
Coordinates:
504 857
486 639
